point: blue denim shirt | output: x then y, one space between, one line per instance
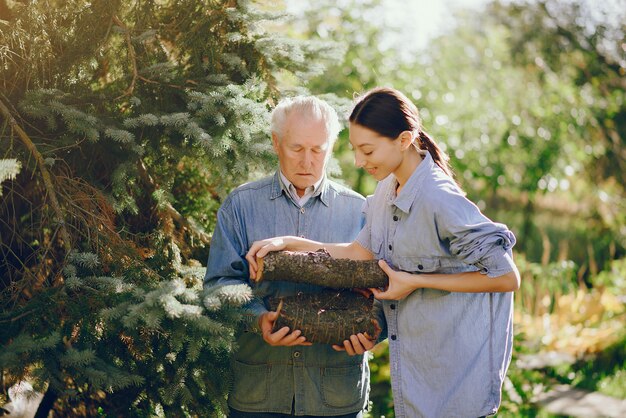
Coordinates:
316 380
449 351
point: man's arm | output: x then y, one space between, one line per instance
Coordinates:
227 266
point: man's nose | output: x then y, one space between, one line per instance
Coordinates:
307 159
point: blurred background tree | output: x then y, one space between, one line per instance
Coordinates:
527 98
126 123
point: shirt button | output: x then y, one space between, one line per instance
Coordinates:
393 337
296 354
419 266
390 247
395 218
392 306
301 210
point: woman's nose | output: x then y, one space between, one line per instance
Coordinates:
358 161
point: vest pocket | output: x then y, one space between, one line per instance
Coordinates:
342 387
419 265
251 383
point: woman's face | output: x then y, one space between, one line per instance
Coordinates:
377 154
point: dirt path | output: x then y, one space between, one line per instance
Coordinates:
566 400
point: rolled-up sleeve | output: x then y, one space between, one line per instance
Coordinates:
473 238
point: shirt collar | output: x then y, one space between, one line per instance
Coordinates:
280 184
412 186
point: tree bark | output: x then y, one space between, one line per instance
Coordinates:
321 269
329 317
45 175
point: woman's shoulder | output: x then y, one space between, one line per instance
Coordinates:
441 189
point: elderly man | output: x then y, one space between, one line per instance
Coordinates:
280 374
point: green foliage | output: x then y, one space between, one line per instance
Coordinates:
613 278
157 342
135 120
381 399
521 386
604 371
146 115
542 285
574 49
363 66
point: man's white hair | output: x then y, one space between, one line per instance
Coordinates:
309 108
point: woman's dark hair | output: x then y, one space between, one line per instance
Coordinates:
388 112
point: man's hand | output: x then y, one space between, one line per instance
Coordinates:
357 344
282 336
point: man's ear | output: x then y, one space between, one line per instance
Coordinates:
406 139
275 142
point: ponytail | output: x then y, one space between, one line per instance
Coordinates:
440 158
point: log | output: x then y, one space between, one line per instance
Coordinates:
319 268
328 317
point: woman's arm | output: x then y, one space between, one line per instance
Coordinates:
402 284
353 250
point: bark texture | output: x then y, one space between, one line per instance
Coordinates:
329 317
321 269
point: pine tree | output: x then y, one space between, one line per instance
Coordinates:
130 121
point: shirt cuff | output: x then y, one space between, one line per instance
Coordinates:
497 265
252 313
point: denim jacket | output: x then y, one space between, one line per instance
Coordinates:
449 351
313 380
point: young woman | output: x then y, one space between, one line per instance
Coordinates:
449 303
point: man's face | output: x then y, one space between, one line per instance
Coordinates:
302 151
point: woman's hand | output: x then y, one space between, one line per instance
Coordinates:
401 284
261 248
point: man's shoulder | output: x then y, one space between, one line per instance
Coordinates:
247 191
343 191
253 186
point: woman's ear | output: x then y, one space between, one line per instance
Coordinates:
406 139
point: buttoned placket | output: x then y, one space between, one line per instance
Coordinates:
297 354
392 309
302 221
298 377
391 231
391 315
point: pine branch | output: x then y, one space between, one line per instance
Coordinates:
133 60
169 209
45 174
131 56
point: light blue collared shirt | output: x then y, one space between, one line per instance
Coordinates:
313 380
449 351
